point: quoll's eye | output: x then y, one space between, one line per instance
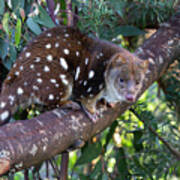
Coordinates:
121 80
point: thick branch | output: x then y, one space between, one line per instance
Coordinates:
26 143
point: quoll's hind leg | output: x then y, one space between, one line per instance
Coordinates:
90 109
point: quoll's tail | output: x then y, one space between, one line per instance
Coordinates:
7 108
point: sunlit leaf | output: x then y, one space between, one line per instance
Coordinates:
5 24
18 32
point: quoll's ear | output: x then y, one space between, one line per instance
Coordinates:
119 58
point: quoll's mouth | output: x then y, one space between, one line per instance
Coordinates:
130 98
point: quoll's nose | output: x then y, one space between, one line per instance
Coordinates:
130 98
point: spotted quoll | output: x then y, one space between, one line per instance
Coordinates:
63 64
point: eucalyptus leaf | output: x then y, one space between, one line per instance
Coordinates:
33 26
3 48
2 5
5 22
18 32
90 152
44 19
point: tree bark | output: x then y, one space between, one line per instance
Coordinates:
29 142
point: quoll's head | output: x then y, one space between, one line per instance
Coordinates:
124 76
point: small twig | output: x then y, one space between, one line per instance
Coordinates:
69 14
64 166
51 7
56 171
171 149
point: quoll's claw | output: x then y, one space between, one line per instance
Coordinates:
93 117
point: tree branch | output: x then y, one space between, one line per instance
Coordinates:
26 143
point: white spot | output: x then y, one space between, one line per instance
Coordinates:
48 46
32 66
21 68
4 115
35 88
28 54
38 74
86 61
85 83
63 63
2 105
161 59
77 53
101 54
97 56
39 80
20 91
14 65
53 81
77 73
46 69
65 81
49 58
57 85
62 76
25 83
12 99
49 35
17 73
91 74
91 95
66 35
100 86
66 51
51 97
79 42
56 45
37 59
151 60
89 89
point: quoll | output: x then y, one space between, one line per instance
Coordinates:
63 64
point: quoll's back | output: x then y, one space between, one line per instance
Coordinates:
58 65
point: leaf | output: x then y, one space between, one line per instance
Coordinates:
5 23
90 152
33 26
2 7
96 170
44 19
12 53
128 31
110 133
122 164
137 140
16 4
18 32
3 48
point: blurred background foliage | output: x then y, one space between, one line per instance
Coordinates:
137 145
